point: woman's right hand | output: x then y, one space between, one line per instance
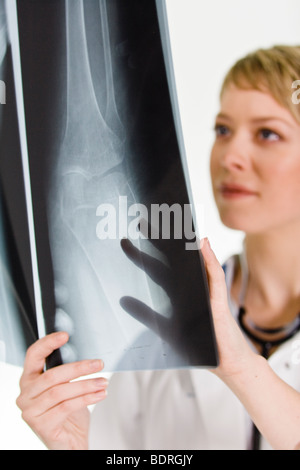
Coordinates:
235 354
53 403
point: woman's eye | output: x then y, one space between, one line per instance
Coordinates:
221 130
267 134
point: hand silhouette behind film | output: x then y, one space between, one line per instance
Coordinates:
188 330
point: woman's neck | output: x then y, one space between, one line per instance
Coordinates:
273 290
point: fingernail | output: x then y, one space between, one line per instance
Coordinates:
62 336
100 395
204 241
96 364
101 383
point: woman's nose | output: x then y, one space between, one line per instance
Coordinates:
235 155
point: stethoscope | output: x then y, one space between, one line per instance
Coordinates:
285 332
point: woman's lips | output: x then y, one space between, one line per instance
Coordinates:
233 191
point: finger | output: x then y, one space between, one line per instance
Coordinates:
64 392
155 269
60 375
215 273
163 242
145 315
37 353
56 416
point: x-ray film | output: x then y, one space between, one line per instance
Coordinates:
117 257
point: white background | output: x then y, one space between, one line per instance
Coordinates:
207 37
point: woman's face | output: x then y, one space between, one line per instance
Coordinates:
255 162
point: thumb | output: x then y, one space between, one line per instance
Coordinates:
215 274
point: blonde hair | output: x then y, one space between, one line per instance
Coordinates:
272 70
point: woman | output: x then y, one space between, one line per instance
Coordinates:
255 169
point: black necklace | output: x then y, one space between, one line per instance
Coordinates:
267 345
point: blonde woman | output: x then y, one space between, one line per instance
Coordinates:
255 171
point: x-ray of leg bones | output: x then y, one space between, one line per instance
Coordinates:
91 170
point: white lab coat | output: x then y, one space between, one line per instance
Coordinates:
181 409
